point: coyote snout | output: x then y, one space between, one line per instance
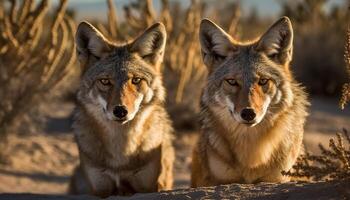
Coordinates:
120 112
124 100
246 102
248 114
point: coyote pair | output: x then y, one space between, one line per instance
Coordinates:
252 112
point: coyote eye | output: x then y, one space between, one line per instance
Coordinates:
105 82
232 82
263 81
135 80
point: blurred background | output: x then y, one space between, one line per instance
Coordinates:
39 74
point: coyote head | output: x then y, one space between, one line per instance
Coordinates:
246 81
119 80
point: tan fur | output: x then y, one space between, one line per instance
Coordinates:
228 150
134 154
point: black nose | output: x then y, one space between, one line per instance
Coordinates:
120 111
248 114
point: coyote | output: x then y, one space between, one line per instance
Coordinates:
252 109
123 132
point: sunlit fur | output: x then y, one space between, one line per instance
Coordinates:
134 154
231 150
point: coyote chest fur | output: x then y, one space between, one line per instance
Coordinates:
252 110
121 127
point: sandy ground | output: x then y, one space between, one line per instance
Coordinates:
43 163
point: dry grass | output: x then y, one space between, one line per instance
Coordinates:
333 163
36 53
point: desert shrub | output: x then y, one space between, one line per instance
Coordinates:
333 163
36 53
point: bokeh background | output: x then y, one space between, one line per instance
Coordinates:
39 74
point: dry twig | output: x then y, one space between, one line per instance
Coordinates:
333 163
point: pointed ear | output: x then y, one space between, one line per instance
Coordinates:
277 42
90 43
150 45
216 44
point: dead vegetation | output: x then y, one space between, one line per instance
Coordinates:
332 164
36 53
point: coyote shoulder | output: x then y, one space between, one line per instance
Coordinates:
252 109
123 132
